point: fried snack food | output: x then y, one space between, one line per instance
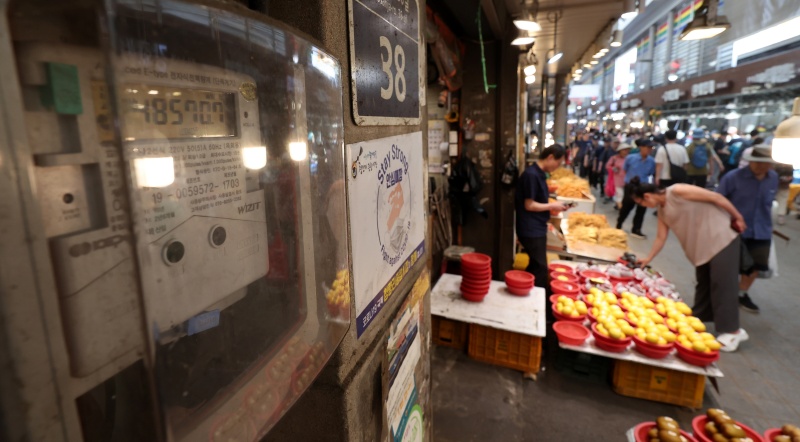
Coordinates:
561 172
573 187
615 238
584 233
587 220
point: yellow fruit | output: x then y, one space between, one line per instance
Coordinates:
707 336
562 278
713 345
651 338
616 333
560 269
618 314
628 330
662 328
683 308
698 326
595 311
621 323
699 346
662 341
581 308
657 319
567 309
685 330
647 303
560 308
660 309
602 330
671 323
669 336
574 314
562 298
590 298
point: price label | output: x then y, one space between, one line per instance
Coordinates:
384 61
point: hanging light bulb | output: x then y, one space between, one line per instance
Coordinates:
578 71
526 22
529 70
523 39
530 79
786 144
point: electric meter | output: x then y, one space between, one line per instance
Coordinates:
186 202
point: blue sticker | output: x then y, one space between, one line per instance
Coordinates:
203 322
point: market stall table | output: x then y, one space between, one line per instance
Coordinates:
520 318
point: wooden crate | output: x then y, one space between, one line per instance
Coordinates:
504 348
659 384
449 333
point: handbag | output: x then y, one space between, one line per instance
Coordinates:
677 173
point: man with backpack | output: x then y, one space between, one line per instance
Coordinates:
671 161
700 153
735 149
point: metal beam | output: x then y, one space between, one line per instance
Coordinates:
491 15
586 4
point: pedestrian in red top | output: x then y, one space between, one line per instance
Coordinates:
616 172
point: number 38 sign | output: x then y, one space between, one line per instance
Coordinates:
385 61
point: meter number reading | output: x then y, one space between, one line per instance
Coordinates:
158 112
397 79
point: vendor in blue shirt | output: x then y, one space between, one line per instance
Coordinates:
751 190
533 208
643 166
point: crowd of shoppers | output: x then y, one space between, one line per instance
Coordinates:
713 190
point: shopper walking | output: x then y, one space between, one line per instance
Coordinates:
701 219
533 210
616 173
609 150
701 156
643 167
671 161
751 190
582 147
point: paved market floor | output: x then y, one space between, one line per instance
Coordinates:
478 402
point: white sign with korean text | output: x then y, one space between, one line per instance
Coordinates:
387 218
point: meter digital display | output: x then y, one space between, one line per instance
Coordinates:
157 112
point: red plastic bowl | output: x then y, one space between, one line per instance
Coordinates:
561 317
589 274
473 298
565 288
568 277
483 273
476 260
566 269
698 428
570 333
519 278
695 357
640 432
609 344
477 289
770 434
518 292
654 351
476 281
554 298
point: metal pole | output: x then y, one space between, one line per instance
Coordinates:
543 113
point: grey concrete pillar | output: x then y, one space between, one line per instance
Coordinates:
561 102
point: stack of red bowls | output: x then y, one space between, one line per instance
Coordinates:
476 276
519 283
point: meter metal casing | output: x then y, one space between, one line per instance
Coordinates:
182 171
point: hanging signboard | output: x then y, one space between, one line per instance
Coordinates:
385 61
387 218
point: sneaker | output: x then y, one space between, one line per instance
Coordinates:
747 304
730 341
639 235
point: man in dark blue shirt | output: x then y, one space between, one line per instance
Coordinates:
584 147
640 165
751 190
533 210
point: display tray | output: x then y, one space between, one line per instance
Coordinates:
499 309
671 362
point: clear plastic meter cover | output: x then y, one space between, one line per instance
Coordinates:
217 153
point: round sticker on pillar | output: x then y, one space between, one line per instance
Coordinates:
394 202
414 429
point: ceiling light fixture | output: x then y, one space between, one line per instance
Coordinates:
706 23
578 71
631 9
556 53
530 79
529 70
555 58
786 144
523 39
616 39
527 22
